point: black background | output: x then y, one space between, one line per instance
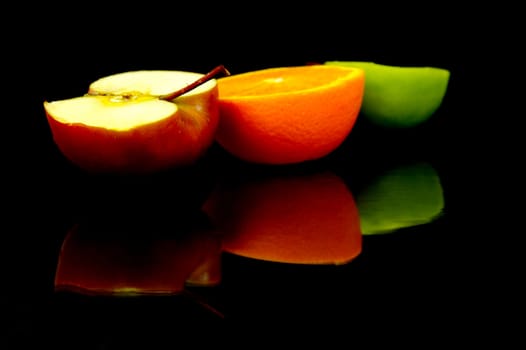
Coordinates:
431 281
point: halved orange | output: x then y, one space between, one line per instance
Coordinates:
287 115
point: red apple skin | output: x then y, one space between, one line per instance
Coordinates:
176 141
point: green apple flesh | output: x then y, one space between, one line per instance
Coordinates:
400 97
401 197
132 122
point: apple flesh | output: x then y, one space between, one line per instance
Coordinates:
400 97
132 122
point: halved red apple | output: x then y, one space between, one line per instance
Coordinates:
136 122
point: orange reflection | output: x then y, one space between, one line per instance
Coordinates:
103 259
301 219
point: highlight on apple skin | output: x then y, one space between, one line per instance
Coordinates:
129 123
400 96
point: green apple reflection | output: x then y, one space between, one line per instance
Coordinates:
401 197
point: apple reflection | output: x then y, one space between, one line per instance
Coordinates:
403 196
299 219
109 257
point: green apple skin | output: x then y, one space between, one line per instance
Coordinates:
400 97
401 197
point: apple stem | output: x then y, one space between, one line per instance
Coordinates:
200 81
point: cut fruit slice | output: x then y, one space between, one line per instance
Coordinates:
400 97
126 124
288 115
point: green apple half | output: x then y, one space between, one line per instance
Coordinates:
401 197
138 121
400 97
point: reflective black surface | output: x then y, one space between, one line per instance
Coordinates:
106 262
